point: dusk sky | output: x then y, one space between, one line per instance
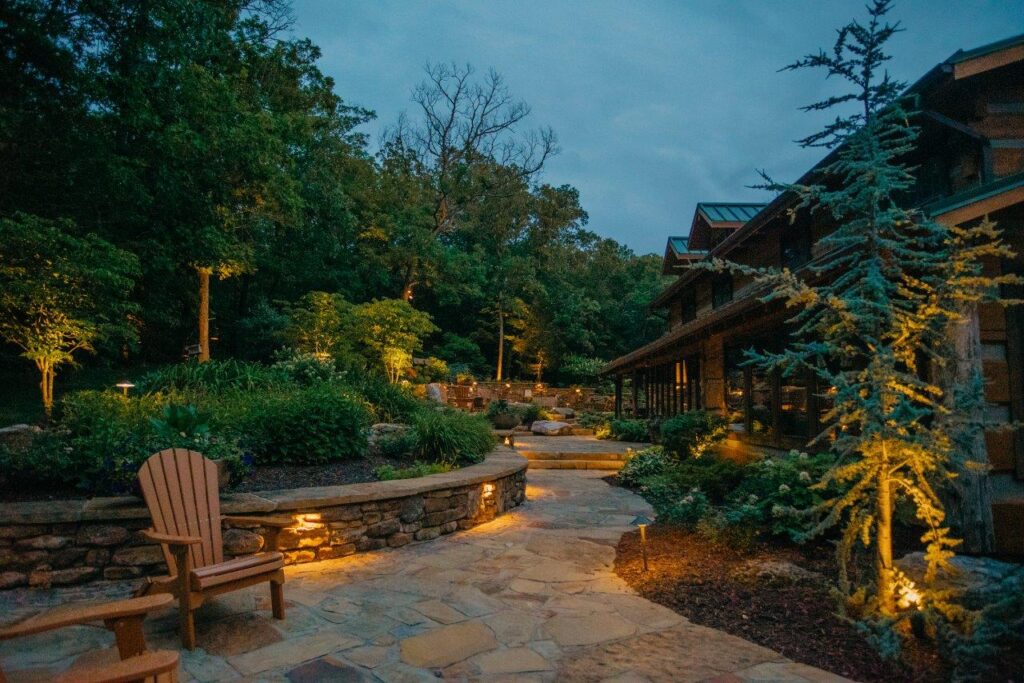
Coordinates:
657 105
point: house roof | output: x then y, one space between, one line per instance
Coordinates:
998 53
952 208
678 251
729 212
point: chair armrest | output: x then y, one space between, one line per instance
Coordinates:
142 667
276 522
84 614
157 537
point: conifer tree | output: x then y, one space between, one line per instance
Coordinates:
872 321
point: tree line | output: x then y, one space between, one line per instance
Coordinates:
202 144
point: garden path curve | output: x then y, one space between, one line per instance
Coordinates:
531 596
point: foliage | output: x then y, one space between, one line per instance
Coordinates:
182 420
692 433
577 369
102 439
672 503
320 325
417 469
296 426
433 370
452 436
890 286
211 377
397 444
645 463
589 420
61 292
628 430
780 496
530 413
392 330
306 368
503 414
390 402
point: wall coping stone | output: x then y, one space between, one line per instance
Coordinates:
501 462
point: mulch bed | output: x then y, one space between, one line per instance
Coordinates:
261 478
356 471
709 583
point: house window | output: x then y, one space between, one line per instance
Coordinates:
721 290
793 405
689 306
796 246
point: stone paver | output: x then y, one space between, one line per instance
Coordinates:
531 596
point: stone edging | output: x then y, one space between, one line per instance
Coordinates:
68 542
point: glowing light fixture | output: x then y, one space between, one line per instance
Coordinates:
641 522
124 385
488 490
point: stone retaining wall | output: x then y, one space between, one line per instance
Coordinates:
56 543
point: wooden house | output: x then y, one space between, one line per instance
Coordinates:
970 164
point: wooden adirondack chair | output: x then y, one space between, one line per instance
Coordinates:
124 618
180 489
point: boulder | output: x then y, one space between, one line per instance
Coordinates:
551 428
778 572
437 392
567 413
18 437
975 579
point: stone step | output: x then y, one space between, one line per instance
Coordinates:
575 464
571 455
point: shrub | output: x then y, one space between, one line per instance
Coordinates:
691 434
589 420
629 430
297 426
646 463
212 376
503 414
390 402
530 413
306 368
673 503
452 436
776 494
433 370
397 444
417 469
716 477
103 438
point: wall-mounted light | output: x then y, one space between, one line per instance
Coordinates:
488 490
124 385
510 441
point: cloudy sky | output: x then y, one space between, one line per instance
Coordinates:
657 104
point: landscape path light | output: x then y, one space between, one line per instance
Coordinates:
641 522
124 385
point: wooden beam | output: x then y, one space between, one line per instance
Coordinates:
973 67
981 207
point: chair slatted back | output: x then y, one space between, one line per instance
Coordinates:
180 489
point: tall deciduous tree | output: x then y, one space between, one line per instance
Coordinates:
61 293
465 128
392 330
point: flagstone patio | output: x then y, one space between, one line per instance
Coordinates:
530 596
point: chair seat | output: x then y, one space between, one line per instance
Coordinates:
212 575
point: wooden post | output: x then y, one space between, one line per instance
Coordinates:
204 313
618 396
636 394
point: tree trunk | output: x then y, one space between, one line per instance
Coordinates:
46 375
883 538
969 503
204 314
501 343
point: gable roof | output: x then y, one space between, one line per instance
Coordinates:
731 212
677 252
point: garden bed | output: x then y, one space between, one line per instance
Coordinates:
260 478
713 584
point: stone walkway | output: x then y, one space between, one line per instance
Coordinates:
530 596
